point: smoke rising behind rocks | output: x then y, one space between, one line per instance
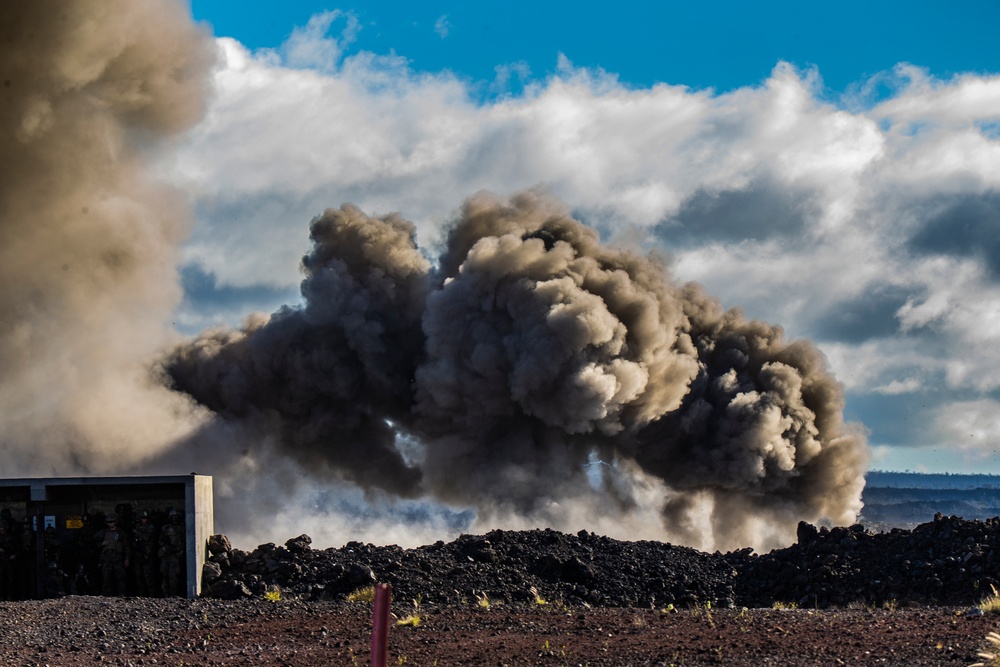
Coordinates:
528 371
526 355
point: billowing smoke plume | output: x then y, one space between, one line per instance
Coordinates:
535 370
90 90
528 372
327 379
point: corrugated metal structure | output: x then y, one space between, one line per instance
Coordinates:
65 513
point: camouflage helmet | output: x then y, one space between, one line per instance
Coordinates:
174 512
110 517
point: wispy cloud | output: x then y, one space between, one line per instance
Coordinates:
313 47
896 387
442 26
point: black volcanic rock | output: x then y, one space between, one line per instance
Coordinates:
948 561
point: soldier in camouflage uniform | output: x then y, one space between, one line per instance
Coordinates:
113 544
55 580
172 543
79 583
144 561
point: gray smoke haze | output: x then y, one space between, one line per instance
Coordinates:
528 371
537 376
91 92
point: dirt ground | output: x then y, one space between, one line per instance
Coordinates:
623 637
190 633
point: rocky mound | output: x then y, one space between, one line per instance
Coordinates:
948 561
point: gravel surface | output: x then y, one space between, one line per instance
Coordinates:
134 631
848 596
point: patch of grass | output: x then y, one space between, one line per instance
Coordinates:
273 595
482 599
704 609
549 651
538 598
784 605
364 594
411 621
991 603
414 619
991 656
861 605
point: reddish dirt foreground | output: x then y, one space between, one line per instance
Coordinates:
618 637
309 634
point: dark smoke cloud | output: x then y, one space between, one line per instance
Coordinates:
527 355
90 92
327 378
530 372
762 425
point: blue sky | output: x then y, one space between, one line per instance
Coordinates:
831 167
719 45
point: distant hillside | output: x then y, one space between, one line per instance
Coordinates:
905 499
916 480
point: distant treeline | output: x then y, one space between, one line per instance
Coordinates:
916 480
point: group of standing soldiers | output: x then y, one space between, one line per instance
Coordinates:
142 557
156 556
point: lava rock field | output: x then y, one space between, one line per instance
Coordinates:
947 561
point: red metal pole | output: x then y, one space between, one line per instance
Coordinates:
380 622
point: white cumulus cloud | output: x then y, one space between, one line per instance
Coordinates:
865 226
